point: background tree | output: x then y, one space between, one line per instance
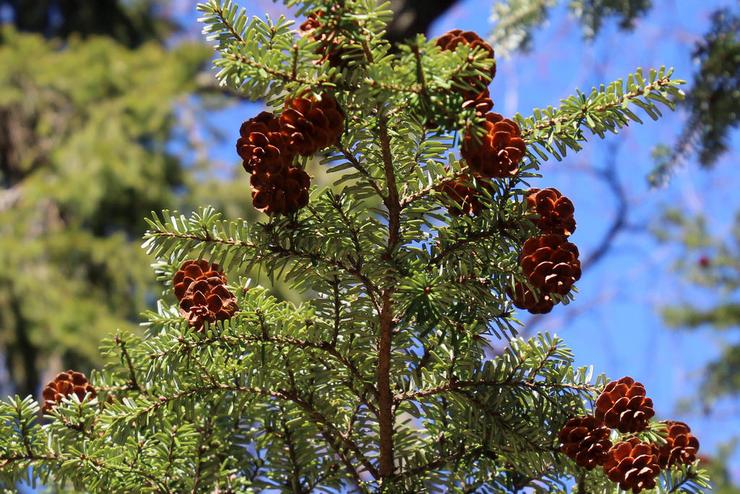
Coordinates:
131 23
87 136
713 265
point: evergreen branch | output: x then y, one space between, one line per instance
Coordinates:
455 385
324 425
499 228
420 194
285 252
325 347
283 75
603 110
61 458
226 21
360 168
133 383
690 475
513 21
394 88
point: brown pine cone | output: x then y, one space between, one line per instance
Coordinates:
554 210
525 299
280 193
66 384
464 197
333 49
191 271
312 124
623 405
585 440
263 145
482 102
452 39
550 263
633 465
681 446
206 298
498 151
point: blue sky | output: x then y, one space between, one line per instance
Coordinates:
614 323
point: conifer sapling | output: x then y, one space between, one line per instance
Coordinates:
384 379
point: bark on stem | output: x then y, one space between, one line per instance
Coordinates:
385 395
385 340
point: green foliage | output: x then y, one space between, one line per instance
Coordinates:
607 109
83 157
713 264
515 20
385 377
712 102
131 22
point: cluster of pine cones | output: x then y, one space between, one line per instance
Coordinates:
491 150
200 288
268 145
549 261
494 150
66 384
335 49
631 463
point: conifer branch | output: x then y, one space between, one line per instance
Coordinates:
62 458
360 168
606 109
455 385
258 256
324 348
133 383
500 228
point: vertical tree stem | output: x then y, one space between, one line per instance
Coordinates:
385 395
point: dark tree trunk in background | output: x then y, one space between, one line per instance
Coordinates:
22 355
415 16
62 18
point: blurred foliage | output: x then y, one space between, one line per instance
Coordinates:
131 23
712 265
85 130
715 96
713 101
516 20
718 471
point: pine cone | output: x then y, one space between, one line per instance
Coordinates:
681 446
633 465
263 144
482 102
66 384
525 299
623 405
206 297
550 263
191 271
464 197
280 193
498 152
554 210
312 124
452 39
585 440
333 49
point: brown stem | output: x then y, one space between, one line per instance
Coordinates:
385 395
385 342
133 383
